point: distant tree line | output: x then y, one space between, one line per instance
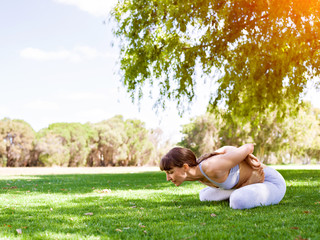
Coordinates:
113 142
118 142
293 139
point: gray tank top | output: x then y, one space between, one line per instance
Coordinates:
232 180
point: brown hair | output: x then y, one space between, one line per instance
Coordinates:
178 156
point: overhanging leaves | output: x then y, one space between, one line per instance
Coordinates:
266 50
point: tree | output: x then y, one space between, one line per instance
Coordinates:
112 142
262 52
138 142
303 135
121 142
64 144
313 149
107 147
50 150
295 139
16 142
201 135
160 144
208 132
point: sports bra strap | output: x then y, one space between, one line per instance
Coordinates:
230 182
214 182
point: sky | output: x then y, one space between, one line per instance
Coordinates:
58 63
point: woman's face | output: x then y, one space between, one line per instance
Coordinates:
176 175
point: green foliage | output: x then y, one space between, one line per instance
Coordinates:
262 52
121 142
51 151
294 139
201 135
139 146
303 135
107 146
113 142
16 138
64 144
145 206
108 143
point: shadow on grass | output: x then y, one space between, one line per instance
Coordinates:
86 183
144 205
83 183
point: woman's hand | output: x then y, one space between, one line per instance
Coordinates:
253 161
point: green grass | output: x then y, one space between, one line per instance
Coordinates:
145 206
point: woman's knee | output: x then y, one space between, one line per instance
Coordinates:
214 194
282 189
244 199
203 194
237 201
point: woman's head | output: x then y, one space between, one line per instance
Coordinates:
177 157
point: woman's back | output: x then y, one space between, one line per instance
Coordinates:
241 175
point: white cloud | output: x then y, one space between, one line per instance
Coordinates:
77 54
87 52
77 96
42 105
37 54
96 8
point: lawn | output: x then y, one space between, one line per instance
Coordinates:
145 206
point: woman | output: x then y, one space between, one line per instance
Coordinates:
231 173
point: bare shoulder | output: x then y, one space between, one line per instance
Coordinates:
211 167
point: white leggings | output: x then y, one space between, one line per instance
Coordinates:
270 192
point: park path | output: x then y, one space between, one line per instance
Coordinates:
4 171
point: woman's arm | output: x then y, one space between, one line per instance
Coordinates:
225 149
252 160
232 157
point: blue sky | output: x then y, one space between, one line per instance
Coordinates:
57 64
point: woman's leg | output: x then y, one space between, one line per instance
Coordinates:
271 191
214 194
